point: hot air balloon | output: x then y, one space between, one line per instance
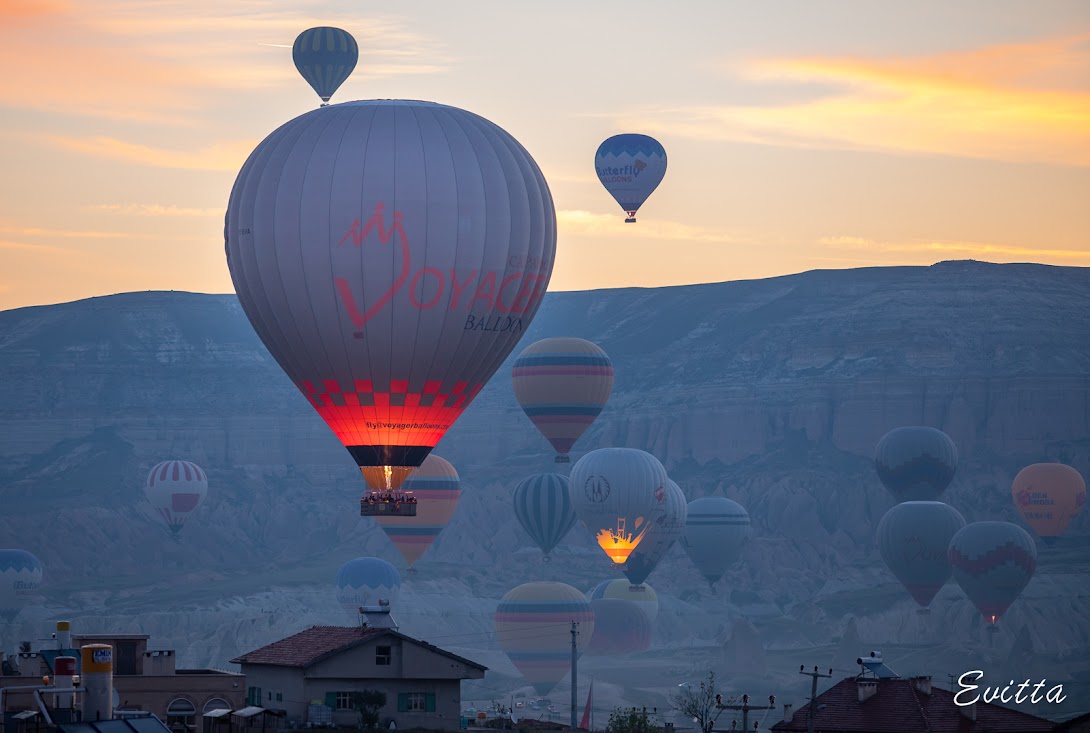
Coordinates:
1048 496
533 625
437 488
660 538
620 627
325 57
621 589
175 490
544 509
618 493
367 582
916 463
631 168
390 254
716 531
562 385
993 562
914 539
20 579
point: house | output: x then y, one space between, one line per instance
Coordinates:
145 678
318 669
868 704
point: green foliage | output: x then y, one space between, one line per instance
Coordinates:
630 720
368 704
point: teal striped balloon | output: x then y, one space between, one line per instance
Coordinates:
325 57
716 532
544 509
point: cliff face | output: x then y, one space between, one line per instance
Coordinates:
773 392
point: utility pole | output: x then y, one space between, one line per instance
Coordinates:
814 676
574 676
745 707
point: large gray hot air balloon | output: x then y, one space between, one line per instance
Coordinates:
716 531
618 493
914 538
543 508
660 538
993 562
390 254
916 463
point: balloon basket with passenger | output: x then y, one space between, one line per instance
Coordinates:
388 504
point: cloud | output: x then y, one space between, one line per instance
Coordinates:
156 210
31 247
576 222
948 248
221 156
1016 102
62 233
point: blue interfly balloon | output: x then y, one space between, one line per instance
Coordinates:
630 167
325 57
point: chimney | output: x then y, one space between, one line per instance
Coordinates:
968 711
787 713
867 689
64 635
922 684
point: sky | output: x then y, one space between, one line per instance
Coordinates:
801 135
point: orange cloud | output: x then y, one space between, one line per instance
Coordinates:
1019 102
576 222
952 248
155 210
222 156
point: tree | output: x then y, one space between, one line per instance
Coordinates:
368 704
698 703
630 720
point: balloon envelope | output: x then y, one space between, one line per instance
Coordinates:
437 489
367 581
660 538
621 589
716 531
562 385
1048 496
630 167
620 627
390 254
325 57
20 579
993 562
175 490
916 463
544 509
914 539
618 493
533 625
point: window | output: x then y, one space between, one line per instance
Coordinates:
416 702
343 701
382 655
253 696
216 703
180 713
280 697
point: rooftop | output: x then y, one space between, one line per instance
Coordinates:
897 706
310 646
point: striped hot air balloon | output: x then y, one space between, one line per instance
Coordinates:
562 385
642 595
620 627
325 57
437 488
367 581
175 490
993 562
660 538
544 509
533 625
916 463
914 539
1048 496
20 579
716 531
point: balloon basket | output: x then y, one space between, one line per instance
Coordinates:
630 220
387 505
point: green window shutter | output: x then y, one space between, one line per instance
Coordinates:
429 702
403 702
331 700
257 696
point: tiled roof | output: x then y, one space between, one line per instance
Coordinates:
318 642
897 706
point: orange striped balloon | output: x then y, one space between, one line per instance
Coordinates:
1048 496
437 489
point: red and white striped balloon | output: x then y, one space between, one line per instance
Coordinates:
176 489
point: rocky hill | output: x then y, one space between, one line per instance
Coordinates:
773 392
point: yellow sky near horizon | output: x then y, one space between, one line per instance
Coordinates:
847 137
